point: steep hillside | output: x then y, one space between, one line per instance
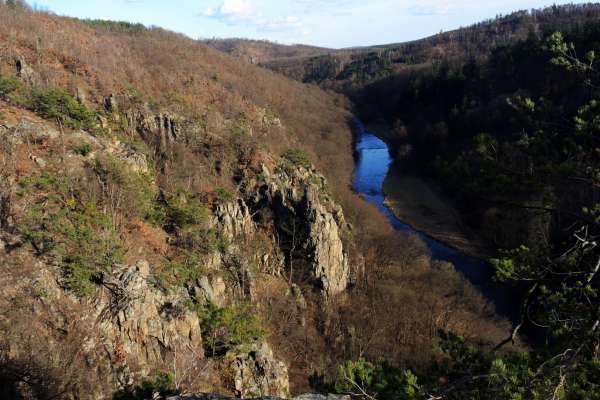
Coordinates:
164 226
263 51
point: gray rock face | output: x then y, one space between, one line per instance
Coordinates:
255 372
211 289
143 325
300 194
233 219
330 262
27 130
159 131
136 161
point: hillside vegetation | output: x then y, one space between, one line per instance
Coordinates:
503 116
263 51
347 69
512 138
164 226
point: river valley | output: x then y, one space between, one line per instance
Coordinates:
372 167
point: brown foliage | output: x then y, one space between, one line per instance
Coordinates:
400 299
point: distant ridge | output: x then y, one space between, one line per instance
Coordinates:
263 51
343 68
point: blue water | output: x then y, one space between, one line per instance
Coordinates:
372 167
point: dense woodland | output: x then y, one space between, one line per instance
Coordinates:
513 137
348 68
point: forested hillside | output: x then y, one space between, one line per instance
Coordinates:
348 68
513 140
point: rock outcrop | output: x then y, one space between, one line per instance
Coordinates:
144 324
254 372
233 219
159 131
298 197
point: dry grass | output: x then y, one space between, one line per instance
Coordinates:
182 75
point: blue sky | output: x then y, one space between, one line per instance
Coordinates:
330 23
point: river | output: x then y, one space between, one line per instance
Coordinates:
372 166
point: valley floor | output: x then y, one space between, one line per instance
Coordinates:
416 203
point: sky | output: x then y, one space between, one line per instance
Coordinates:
327 23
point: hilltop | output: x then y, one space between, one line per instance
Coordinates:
263 51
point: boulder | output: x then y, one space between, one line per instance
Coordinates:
25 72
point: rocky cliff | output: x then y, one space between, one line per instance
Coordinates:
135 321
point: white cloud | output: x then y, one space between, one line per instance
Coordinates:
244 12
209 12
237 8
427 8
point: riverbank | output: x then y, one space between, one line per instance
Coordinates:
417 203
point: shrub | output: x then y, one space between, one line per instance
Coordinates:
83 149
187 267
223 195
57 104
89 245
80 236
181 210
297 157
137 189
224 328
379 380
9 85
